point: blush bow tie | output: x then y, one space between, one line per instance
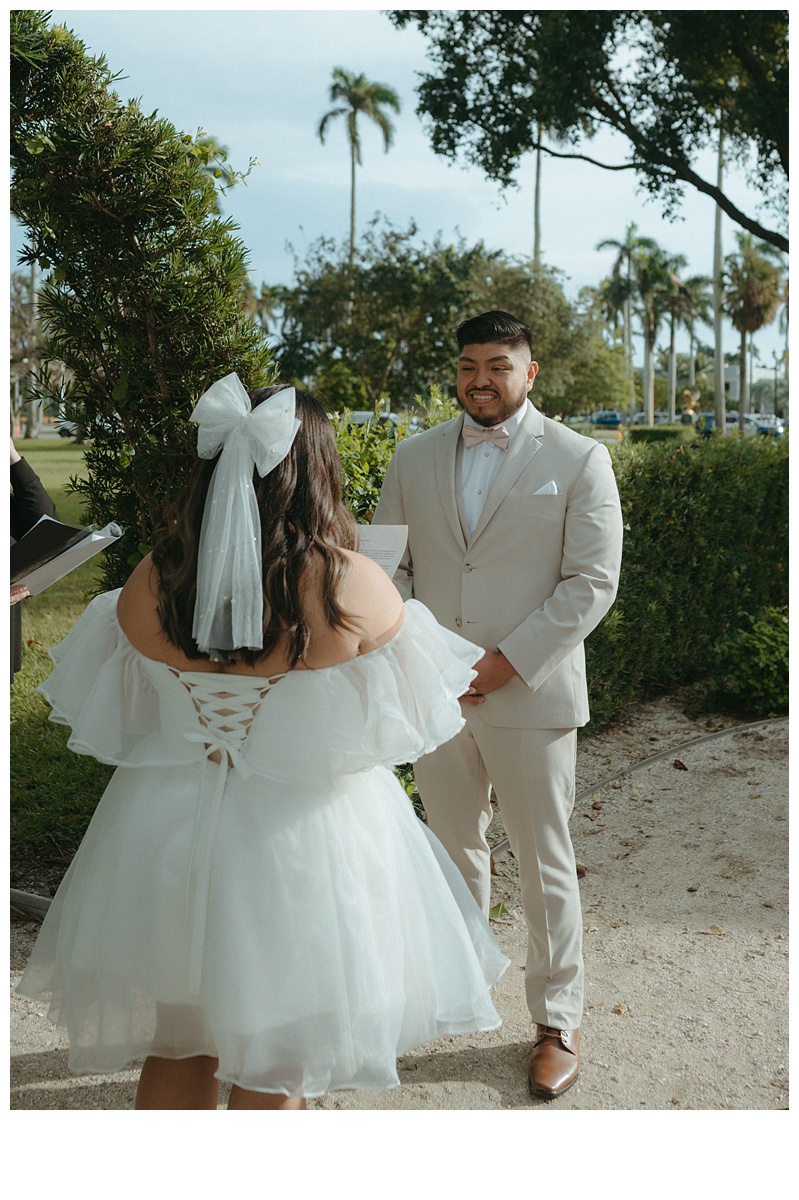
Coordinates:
499 436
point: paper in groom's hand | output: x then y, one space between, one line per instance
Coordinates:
384 544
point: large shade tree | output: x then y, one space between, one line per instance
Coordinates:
352 96
662 79
383 329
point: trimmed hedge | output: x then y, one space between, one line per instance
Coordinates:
662 433
706 547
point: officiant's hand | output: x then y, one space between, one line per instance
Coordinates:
493 672
18 592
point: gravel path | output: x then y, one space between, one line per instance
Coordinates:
685 902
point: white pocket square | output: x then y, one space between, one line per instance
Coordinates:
549 489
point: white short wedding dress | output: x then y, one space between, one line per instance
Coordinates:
255 884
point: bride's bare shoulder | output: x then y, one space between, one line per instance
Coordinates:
141 585
372 599
137 606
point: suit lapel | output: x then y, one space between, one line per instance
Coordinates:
444 459
523 449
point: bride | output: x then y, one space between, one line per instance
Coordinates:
255 900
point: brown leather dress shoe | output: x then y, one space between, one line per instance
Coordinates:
555 1061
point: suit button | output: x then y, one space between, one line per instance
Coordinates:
466 567
458 622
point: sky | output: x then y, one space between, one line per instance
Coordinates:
258 79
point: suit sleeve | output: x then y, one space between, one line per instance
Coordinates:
391 511
590 566
29 500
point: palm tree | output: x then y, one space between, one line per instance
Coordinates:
653 281
624 273
784 322
698 306
358 95
685 302
752 295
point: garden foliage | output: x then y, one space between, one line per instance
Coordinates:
357 332
705 551
144 302
750 666
662 433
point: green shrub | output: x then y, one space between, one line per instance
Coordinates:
365 451
750 666
706 539
143 295
662 433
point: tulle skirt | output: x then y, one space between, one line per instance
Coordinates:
304 939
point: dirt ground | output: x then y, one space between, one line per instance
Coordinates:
685 907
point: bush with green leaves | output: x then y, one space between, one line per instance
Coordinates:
750 666
706 540
662 433
366 450
145 297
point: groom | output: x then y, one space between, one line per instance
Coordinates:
514 541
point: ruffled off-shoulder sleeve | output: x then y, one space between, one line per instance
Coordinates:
102 688
388 707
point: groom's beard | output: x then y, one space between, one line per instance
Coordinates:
506 407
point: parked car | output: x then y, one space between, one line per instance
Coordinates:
769 425
104 424
754 423
661 418
369 418
606 416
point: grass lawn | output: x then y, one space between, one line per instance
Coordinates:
53 791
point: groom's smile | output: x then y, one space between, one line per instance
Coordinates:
493 381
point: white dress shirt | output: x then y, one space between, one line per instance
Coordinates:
480 466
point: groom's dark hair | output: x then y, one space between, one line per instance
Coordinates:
494 326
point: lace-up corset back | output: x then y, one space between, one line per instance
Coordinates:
226 708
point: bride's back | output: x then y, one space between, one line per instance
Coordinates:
367 595
322 603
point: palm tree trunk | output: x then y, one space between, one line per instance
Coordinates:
649 376
720 404
672 374
537 205
628 343
691 360
742 385
352 202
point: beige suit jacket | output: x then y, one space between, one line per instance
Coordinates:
537 574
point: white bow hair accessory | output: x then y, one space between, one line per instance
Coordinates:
229 610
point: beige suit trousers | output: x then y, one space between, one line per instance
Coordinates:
533 775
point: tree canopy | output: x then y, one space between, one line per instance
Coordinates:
666 80
144 302
385 326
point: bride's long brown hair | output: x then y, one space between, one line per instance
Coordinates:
301 515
